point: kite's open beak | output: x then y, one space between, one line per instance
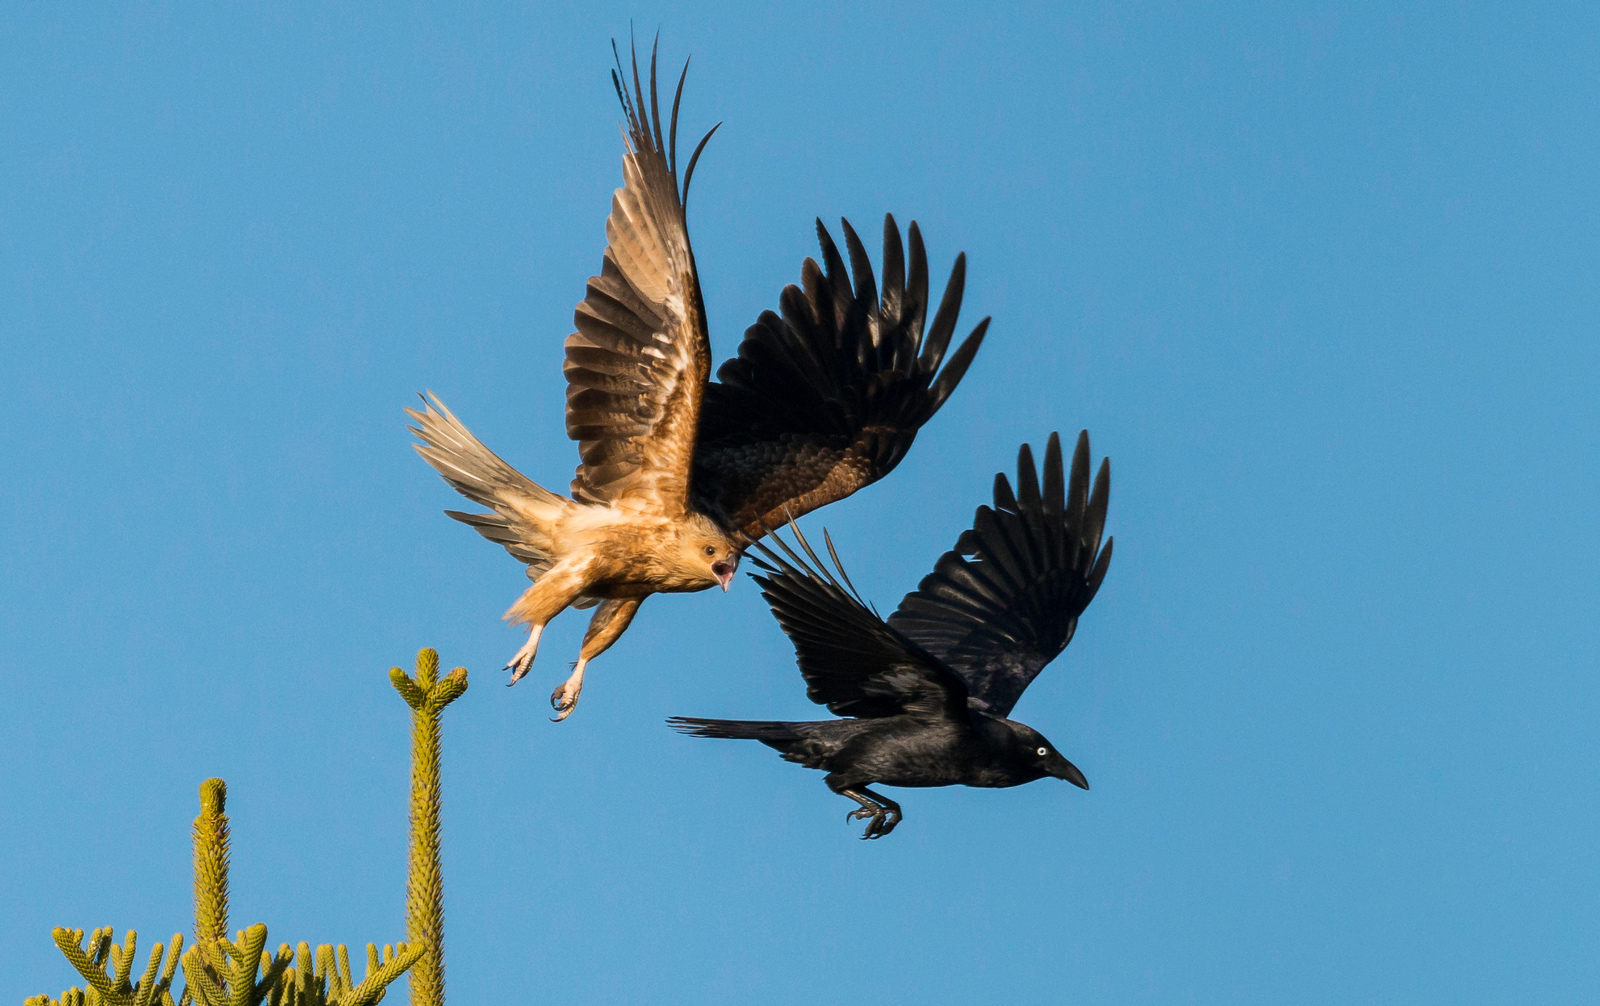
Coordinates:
723 571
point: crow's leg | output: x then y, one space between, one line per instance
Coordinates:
546 599
883 812
606 627
889 816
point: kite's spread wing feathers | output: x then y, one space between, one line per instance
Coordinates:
828 397
1006 600
637 366
853 663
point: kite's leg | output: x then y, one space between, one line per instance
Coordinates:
546 599
610 621
522 661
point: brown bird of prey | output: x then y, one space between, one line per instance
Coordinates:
680 473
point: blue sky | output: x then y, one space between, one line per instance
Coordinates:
1319 279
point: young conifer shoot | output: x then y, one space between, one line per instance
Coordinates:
217 971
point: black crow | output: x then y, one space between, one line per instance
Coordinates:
927 693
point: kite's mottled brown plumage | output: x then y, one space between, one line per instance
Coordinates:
680 473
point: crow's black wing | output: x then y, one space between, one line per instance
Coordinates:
853 662
827 397
1005 601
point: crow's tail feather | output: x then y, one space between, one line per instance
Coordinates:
773 733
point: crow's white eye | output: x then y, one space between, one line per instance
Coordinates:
1043 751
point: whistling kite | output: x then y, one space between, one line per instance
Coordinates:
929 691
680 473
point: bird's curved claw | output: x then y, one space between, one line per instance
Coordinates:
883 821
519 666
521 662
890 819
880 824
564 700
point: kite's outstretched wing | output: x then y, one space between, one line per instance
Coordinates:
853 662
638 364
1005 601
827 397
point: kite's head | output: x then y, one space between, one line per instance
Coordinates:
707 551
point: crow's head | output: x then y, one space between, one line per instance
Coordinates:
1041 756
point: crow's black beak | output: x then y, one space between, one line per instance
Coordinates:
723 571
1068 771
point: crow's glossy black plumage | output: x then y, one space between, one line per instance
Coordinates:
928 692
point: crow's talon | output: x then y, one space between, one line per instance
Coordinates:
878 826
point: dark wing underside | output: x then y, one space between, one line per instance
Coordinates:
827 397
1006 600
638 364
853 662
